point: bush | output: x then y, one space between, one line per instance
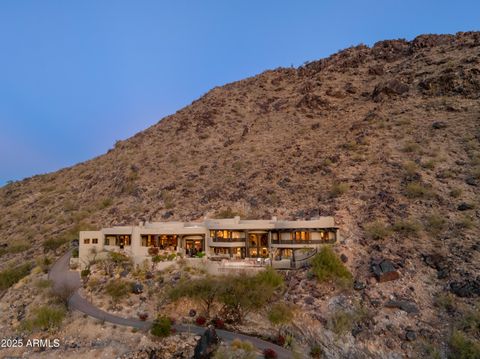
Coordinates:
410 168
455 192
417 190
316 351
411 147
280 313
118 288
327 266
53 244
434 223
45 318
406 227
338 189
10 276
269 354
161 327
342 321
15 248
201 320
462 347
218 323
85 273
377 230
75 253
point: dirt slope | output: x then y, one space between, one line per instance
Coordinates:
389 133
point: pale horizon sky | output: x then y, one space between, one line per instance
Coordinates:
78 75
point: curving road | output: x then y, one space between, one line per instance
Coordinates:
65 279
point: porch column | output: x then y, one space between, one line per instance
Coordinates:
247 244
270 254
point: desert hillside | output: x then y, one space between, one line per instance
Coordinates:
384 138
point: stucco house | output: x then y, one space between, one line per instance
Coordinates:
215 239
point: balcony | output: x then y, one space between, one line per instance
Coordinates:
306 242
227 240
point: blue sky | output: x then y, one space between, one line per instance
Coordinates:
75 76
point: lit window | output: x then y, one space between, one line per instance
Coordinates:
86 241
94 240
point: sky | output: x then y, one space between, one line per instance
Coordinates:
75 76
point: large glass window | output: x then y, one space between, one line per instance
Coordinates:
300 236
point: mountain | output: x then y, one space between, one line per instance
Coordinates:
385 138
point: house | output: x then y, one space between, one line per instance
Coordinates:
216 239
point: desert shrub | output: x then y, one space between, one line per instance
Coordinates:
430 164
227 213
44 263
218 323
201 320
455 192
434 223
15 248
342 321
410 168
470 322
205 290
417 190
75 253
104 203
12 275
161 327
118 289
411 147
327 266
45 318
462 347
338 189
465 222
43 283
316 351
52 244
377 230
269 353
119 258
85 273
280 313
406 227
243 345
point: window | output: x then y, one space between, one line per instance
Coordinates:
301 236
110 240
86 241
94 240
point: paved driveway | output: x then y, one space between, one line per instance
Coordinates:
62 278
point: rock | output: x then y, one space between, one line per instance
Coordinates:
207 344
192 313
472 181
404 305
465 206
438 125
410 335
343 258
390 344
469 288
309 300
384 270
358 285
389 88
167 214
137 288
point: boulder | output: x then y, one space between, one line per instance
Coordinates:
404 305
410 335
438 125
384 270
207 344
137 288
343 258
465 206
390 88
468 288
358 285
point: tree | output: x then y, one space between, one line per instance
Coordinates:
205 290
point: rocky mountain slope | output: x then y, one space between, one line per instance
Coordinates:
386 139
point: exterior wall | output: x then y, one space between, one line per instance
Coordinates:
241 229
